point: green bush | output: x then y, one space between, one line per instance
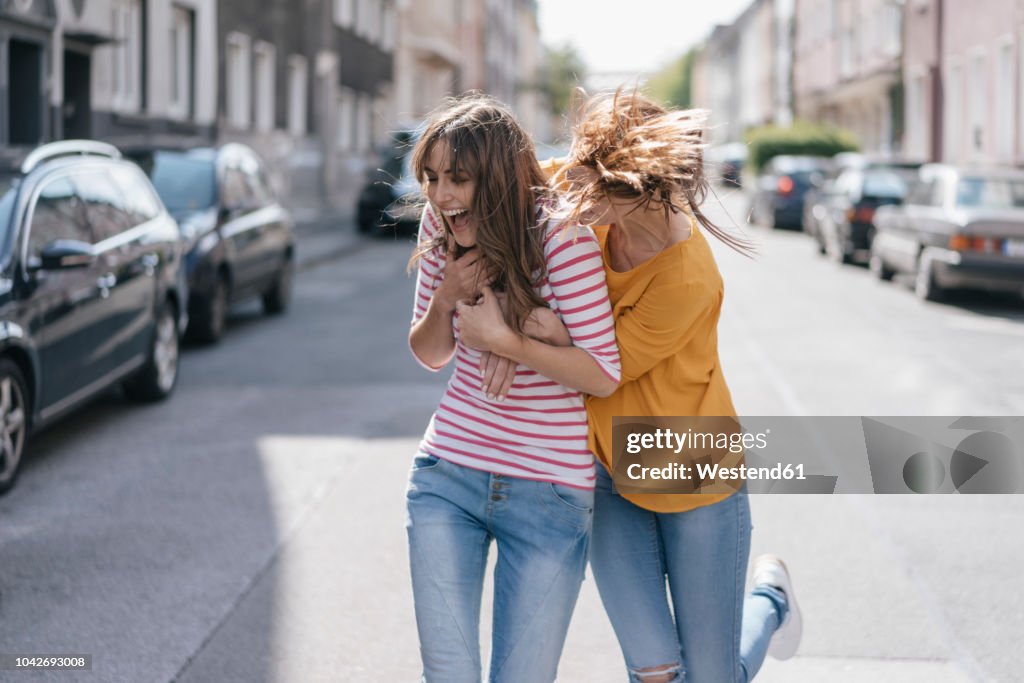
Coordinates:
802 138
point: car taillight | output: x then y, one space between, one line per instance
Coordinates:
987 245
786 185
863 214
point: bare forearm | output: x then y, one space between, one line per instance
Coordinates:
568 365
431 338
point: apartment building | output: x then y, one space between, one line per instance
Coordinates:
121 70
848 68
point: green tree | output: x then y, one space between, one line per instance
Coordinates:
673 85
564 71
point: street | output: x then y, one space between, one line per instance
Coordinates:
251 528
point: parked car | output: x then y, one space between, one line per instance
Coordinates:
725 162
239 240
840 215
92 289
957 228
778 200
390 197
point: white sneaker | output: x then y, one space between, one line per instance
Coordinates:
771 570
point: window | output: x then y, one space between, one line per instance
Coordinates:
978 105
182 72
238 80
954 114
344 13
364 18
104 204
917 118
1004 104
185 181
991 193
140 202
126 70
266 84
894 38
346 119
236 194
57 215
387 31
846 53
298 75
256 181
364 124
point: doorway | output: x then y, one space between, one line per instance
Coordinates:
25 96
77 106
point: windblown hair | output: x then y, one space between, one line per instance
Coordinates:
486 143
626 146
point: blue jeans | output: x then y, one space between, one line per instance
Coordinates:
542 532
710 634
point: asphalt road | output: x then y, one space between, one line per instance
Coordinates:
251 528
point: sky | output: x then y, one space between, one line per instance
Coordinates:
632 35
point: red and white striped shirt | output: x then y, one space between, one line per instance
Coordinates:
540 430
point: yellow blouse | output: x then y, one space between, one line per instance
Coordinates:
666 314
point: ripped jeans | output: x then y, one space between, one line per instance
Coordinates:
710 633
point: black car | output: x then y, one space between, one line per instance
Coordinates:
239 241
389 198
92 289
779 196
844 209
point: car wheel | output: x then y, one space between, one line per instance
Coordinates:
277 298
211 316
157 378
878 268
13 422
924 283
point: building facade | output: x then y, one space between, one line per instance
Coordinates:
743 73
980 58
451 46
311 91
107 69
848 68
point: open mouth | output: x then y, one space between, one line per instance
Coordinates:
458 219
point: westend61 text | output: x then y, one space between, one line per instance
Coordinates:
666 439
708 472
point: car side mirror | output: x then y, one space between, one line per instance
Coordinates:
64 254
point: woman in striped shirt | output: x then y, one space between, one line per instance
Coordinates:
517 471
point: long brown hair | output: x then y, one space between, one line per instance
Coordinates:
486 143
629 147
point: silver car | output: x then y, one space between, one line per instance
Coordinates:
958 228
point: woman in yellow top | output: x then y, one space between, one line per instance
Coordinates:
638 167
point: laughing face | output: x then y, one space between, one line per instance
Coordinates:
450 191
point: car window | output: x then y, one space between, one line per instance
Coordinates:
139 201
185 181
104 204
58 214
884 185
235 189
8 198
259 187
990 193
